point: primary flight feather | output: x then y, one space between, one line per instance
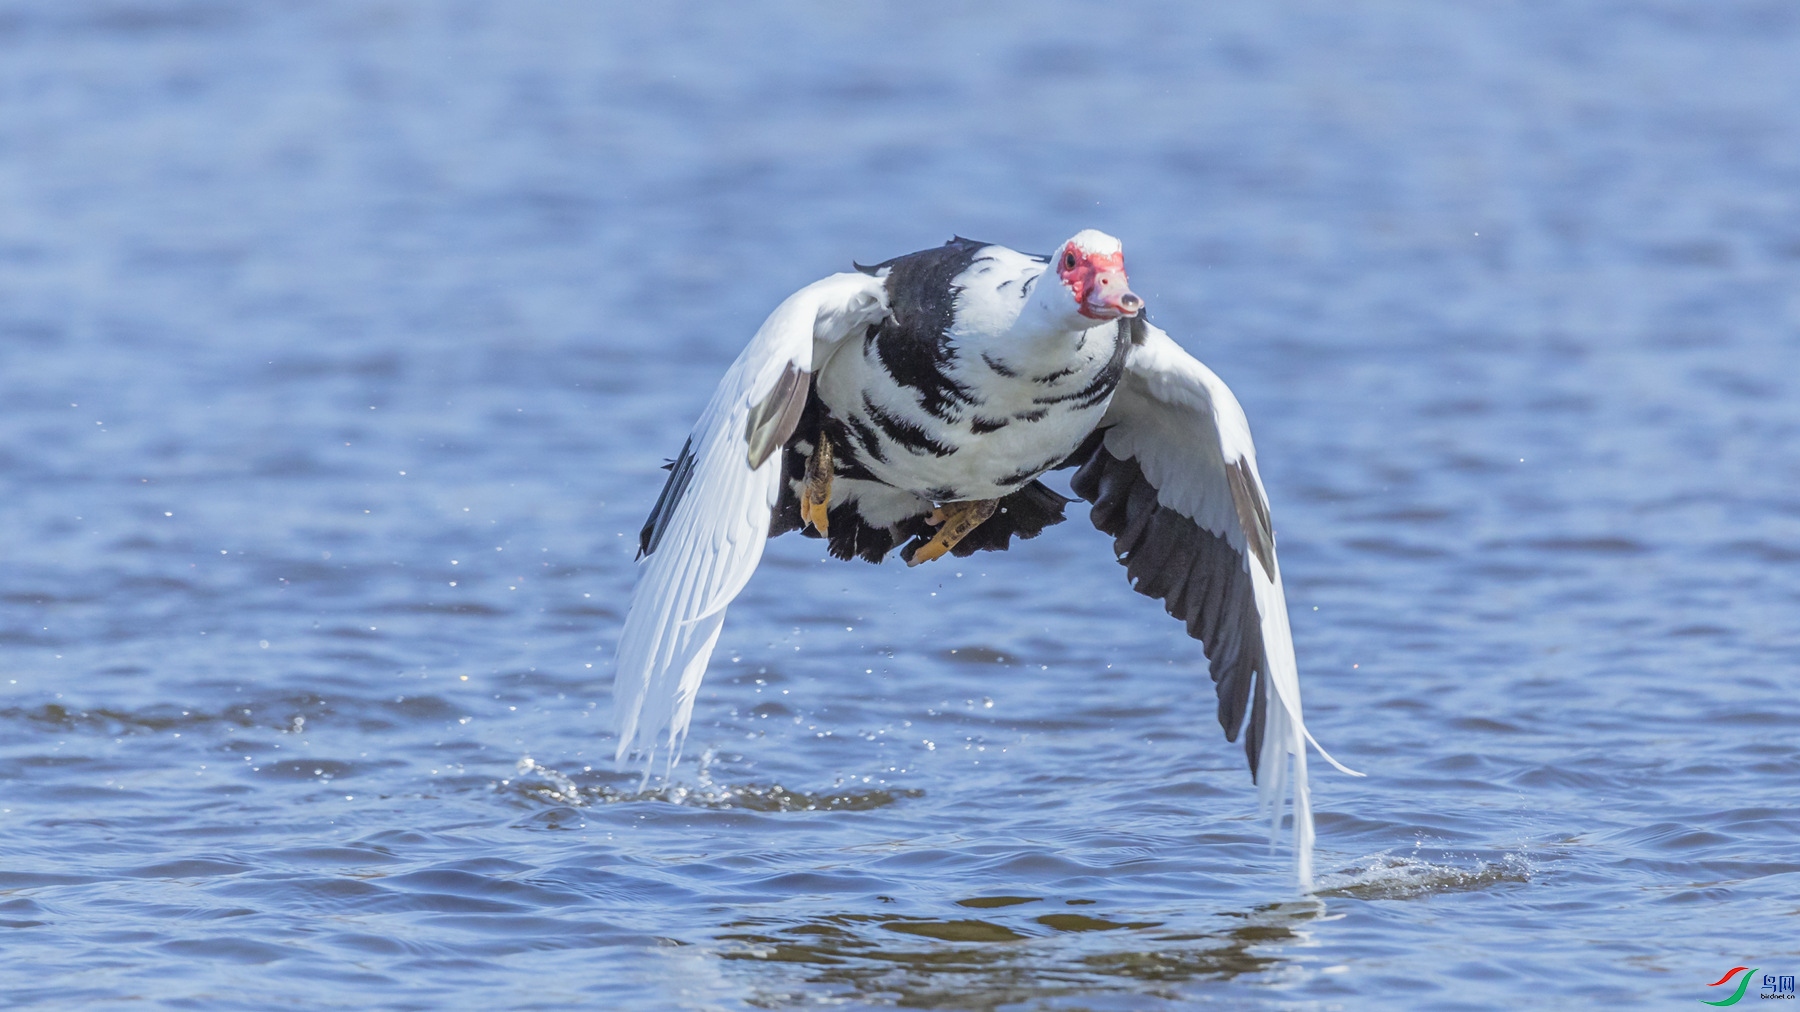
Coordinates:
914 405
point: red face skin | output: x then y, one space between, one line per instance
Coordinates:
1098 283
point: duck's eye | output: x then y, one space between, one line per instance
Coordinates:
1069 260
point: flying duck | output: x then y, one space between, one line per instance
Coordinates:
914 405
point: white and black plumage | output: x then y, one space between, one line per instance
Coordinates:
914 404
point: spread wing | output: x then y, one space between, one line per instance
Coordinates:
1172 475
706 533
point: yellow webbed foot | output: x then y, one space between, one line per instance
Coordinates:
954 522
815 498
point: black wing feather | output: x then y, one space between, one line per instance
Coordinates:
1200 578
681 471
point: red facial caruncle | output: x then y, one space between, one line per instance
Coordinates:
1098 283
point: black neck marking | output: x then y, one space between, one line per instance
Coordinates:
1105 381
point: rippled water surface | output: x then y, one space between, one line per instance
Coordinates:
340 345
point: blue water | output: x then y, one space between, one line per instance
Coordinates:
340 345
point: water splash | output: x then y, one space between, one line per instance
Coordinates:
1388 877
543 783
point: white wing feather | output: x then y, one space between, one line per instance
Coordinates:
1183 427
714 537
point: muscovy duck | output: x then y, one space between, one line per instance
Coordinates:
914 405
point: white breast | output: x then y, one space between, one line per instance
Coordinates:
1025 400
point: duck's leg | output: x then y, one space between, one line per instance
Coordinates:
954 522
816 496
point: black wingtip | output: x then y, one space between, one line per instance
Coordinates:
680 472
